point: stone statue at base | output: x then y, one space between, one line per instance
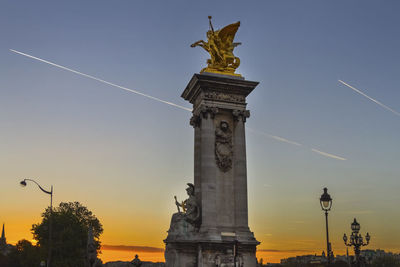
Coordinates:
184 223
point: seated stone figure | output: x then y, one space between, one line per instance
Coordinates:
184 223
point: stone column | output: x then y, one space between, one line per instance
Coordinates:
240 172
208 171
195 121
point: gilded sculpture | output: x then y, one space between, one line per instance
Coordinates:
220 46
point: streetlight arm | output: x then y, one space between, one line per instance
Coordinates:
23 183
348 244
365 244
41 188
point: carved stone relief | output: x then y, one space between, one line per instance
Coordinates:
244 114
224 97
195 121
223 146
206 111
228 261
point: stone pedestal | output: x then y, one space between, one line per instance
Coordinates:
222 236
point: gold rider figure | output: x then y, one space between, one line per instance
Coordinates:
220 46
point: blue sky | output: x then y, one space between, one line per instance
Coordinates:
125 156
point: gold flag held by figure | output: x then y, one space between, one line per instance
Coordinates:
220 46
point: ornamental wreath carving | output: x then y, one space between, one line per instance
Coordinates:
223 146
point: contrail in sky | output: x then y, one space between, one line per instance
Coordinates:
327 154
100 80
370 98
278 138
281 139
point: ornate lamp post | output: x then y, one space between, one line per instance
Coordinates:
23 183
326 204
356 240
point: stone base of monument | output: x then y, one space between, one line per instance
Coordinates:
210 249
210 254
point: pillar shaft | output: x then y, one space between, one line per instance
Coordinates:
240 175
208 172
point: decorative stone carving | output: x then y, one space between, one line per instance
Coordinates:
206 110
224 97
241 113
195 121
228 261
223 146
185 223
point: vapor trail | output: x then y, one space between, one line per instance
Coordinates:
327 154
100 80
278 138
370 98
281 139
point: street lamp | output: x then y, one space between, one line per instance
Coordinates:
23 184
356 240
326 204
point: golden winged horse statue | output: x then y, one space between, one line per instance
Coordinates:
220 46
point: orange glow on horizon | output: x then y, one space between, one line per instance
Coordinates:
124 255
108 255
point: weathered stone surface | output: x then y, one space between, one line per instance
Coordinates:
181 253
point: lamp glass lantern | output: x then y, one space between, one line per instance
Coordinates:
325 200
355 226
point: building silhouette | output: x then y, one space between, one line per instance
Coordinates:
4 247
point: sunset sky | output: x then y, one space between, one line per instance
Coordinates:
125 156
